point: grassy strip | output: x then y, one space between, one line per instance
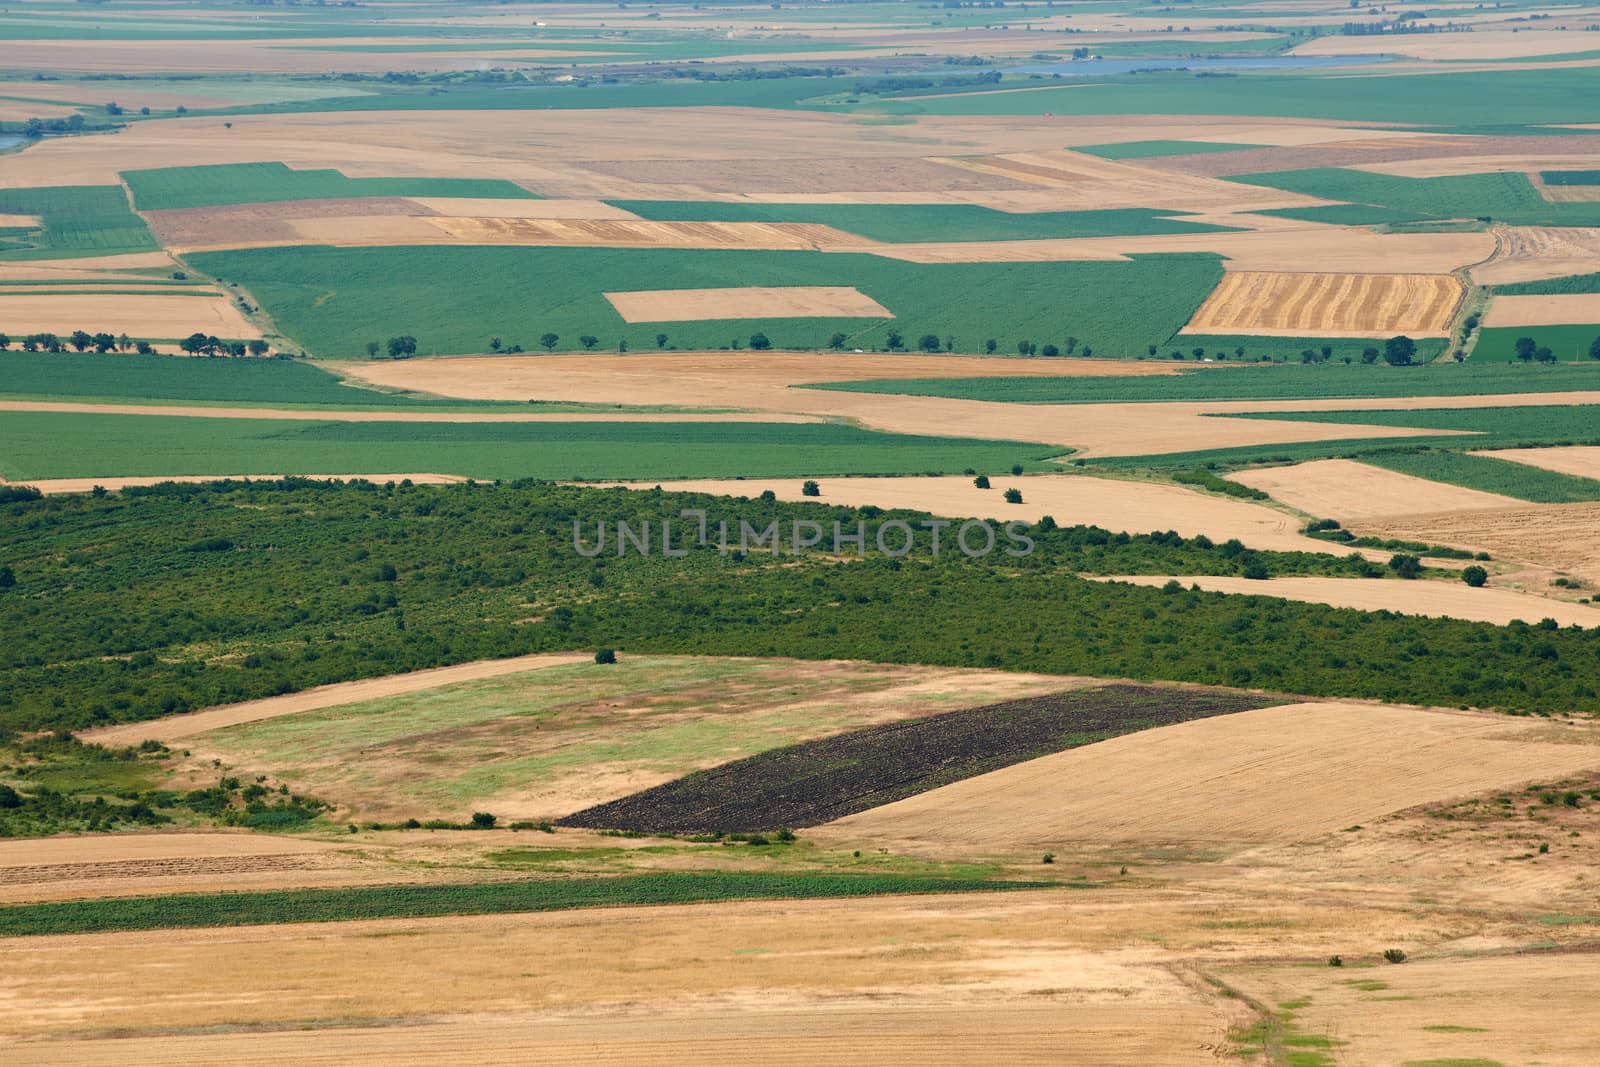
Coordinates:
179 911
1491 474
1346 214
908 223
37 445
1506 197
254 183
1330 381
1570 342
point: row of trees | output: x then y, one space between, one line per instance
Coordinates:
1527 348
82 341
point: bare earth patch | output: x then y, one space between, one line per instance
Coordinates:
1278 774
1438 599
1328 305
1533 253
140 315
1582 461
1558 536
755 302
1549 310
1349 491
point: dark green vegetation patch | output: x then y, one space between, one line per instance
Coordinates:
1570 177
1572 342
1572 283
254 183
157 601
75 220
335 300
908 223
819 781
490 898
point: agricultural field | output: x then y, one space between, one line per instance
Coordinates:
1319 305
335 300
874 533
253 183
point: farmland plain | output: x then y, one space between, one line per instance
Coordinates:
1276 747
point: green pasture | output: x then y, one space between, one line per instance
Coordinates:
252 183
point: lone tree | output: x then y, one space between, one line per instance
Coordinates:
373 348
981 481
605 655
1050 350
482 820
1594 348
928 342
1398 351
1525 348
837 341
661 340
549 340
760 342
895 340
258 347
402 347
588 340
1544 354
495 343
810 488
80 340
991 344
1013 496
1475 576
1369 355
1405 566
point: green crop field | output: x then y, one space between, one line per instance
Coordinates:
1152 149
1491 475
254 183
76 220
90 375
72 445
1567 342
1252 382
906 223
1572 283
1570 177
484 898
334 300
1506 197
1512 97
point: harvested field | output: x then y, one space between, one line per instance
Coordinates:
1581 461
655 984
820 781
139 315
1533 253
1278 774
326 696
1450 1011
642 234
1278 249
1355 492
1097 1028
1551 310
482 208
1437 599
1372 152
1557 536
762 382
544 743
813 175
801 301
1136 507
240 225
1329 305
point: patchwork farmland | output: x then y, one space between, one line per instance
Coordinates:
872 533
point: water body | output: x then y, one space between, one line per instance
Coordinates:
1089 68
